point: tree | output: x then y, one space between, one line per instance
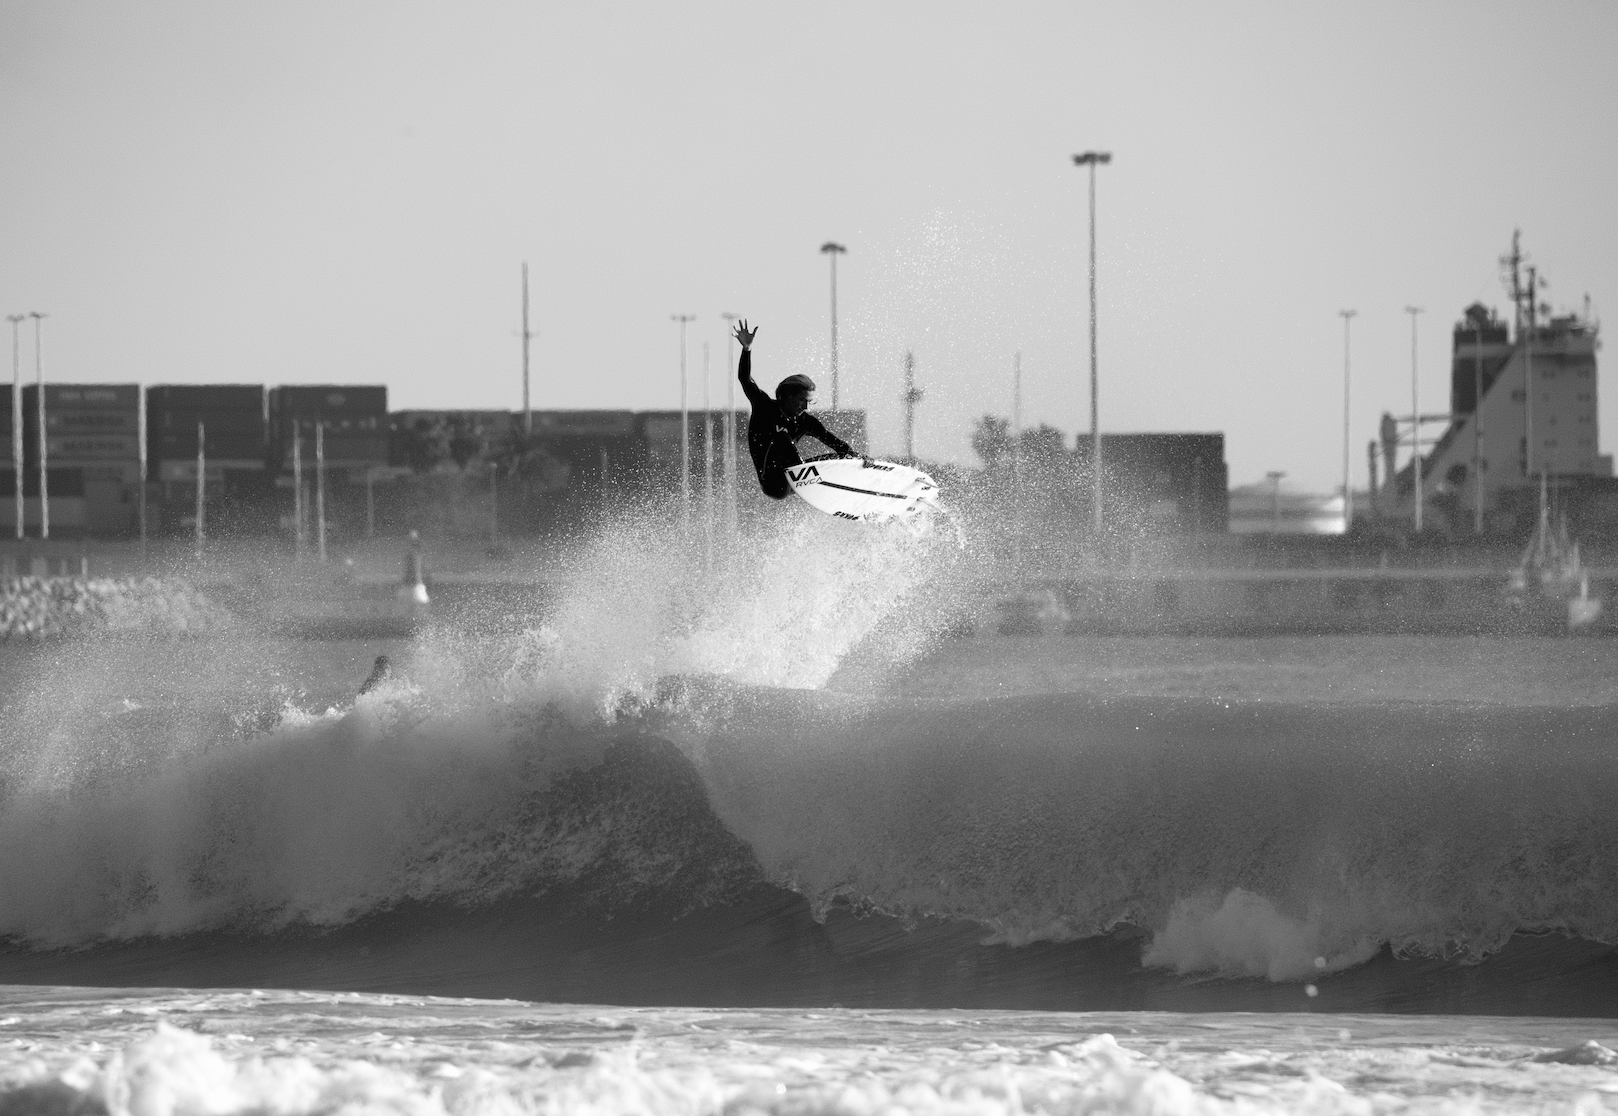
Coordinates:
1044 448
465 442
991 441
421 446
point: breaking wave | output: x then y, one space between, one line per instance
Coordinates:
649 793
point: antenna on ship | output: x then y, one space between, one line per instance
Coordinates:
1512 263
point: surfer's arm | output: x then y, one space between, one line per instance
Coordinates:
744 373
817 429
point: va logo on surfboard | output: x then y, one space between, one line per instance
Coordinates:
804 474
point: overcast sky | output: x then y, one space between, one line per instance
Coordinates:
344 192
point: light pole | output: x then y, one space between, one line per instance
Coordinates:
1275 476
1348 494
833 249
527 408
44 486
1092 159
730 423
1477 431
202 474
1016 458
707 460
1415 415
1528 375
685 430
16 413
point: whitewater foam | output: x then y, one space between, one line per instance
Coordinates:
1244 935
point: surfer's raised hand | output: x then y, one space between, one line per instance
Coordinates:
745 335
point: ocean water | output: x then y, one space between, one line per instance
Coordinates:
772 836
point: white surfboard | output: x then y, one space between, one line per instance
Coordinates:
848 488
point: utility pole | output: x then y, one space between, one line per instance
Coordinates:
1370 451
16 413
707 459
1477 431
494 503
320 490
1092 159
297 489
1348 492
1415 415
833 249
44 442
1016 458
685 431
1275 476
527 409
911 397
142 434
1528 375
202 473
730 424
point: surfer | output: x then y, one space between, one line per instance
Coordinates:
381 671
777 424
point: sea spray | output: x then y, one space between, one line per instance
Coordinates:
458 779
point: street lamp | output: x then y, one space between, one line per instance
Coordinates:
1477 429
1092 159
527 335
1348 494
16 414
833 249
44 487
1415 415
730 423
685 430
1275 476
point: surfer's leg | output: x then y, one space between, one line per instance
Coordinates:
774 483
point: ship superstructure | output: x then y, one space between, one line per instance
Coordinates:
1523 410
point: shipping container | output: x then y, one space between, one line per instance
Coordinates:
232 417
332 403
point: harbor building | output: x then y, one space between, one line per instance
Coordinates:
1523 408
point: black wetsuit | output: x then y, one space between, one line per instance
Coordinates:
772 438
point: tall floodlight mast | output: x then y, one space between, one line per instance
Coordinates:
1092 159
685 430
44 485
1348 493
1415 414
527 407
707 461
16 412
730 423
833 249
1477 430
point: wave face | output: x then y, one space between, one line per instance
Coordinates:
647 796
1255 839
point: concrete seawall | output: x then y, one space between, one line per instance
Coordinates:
1297 601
